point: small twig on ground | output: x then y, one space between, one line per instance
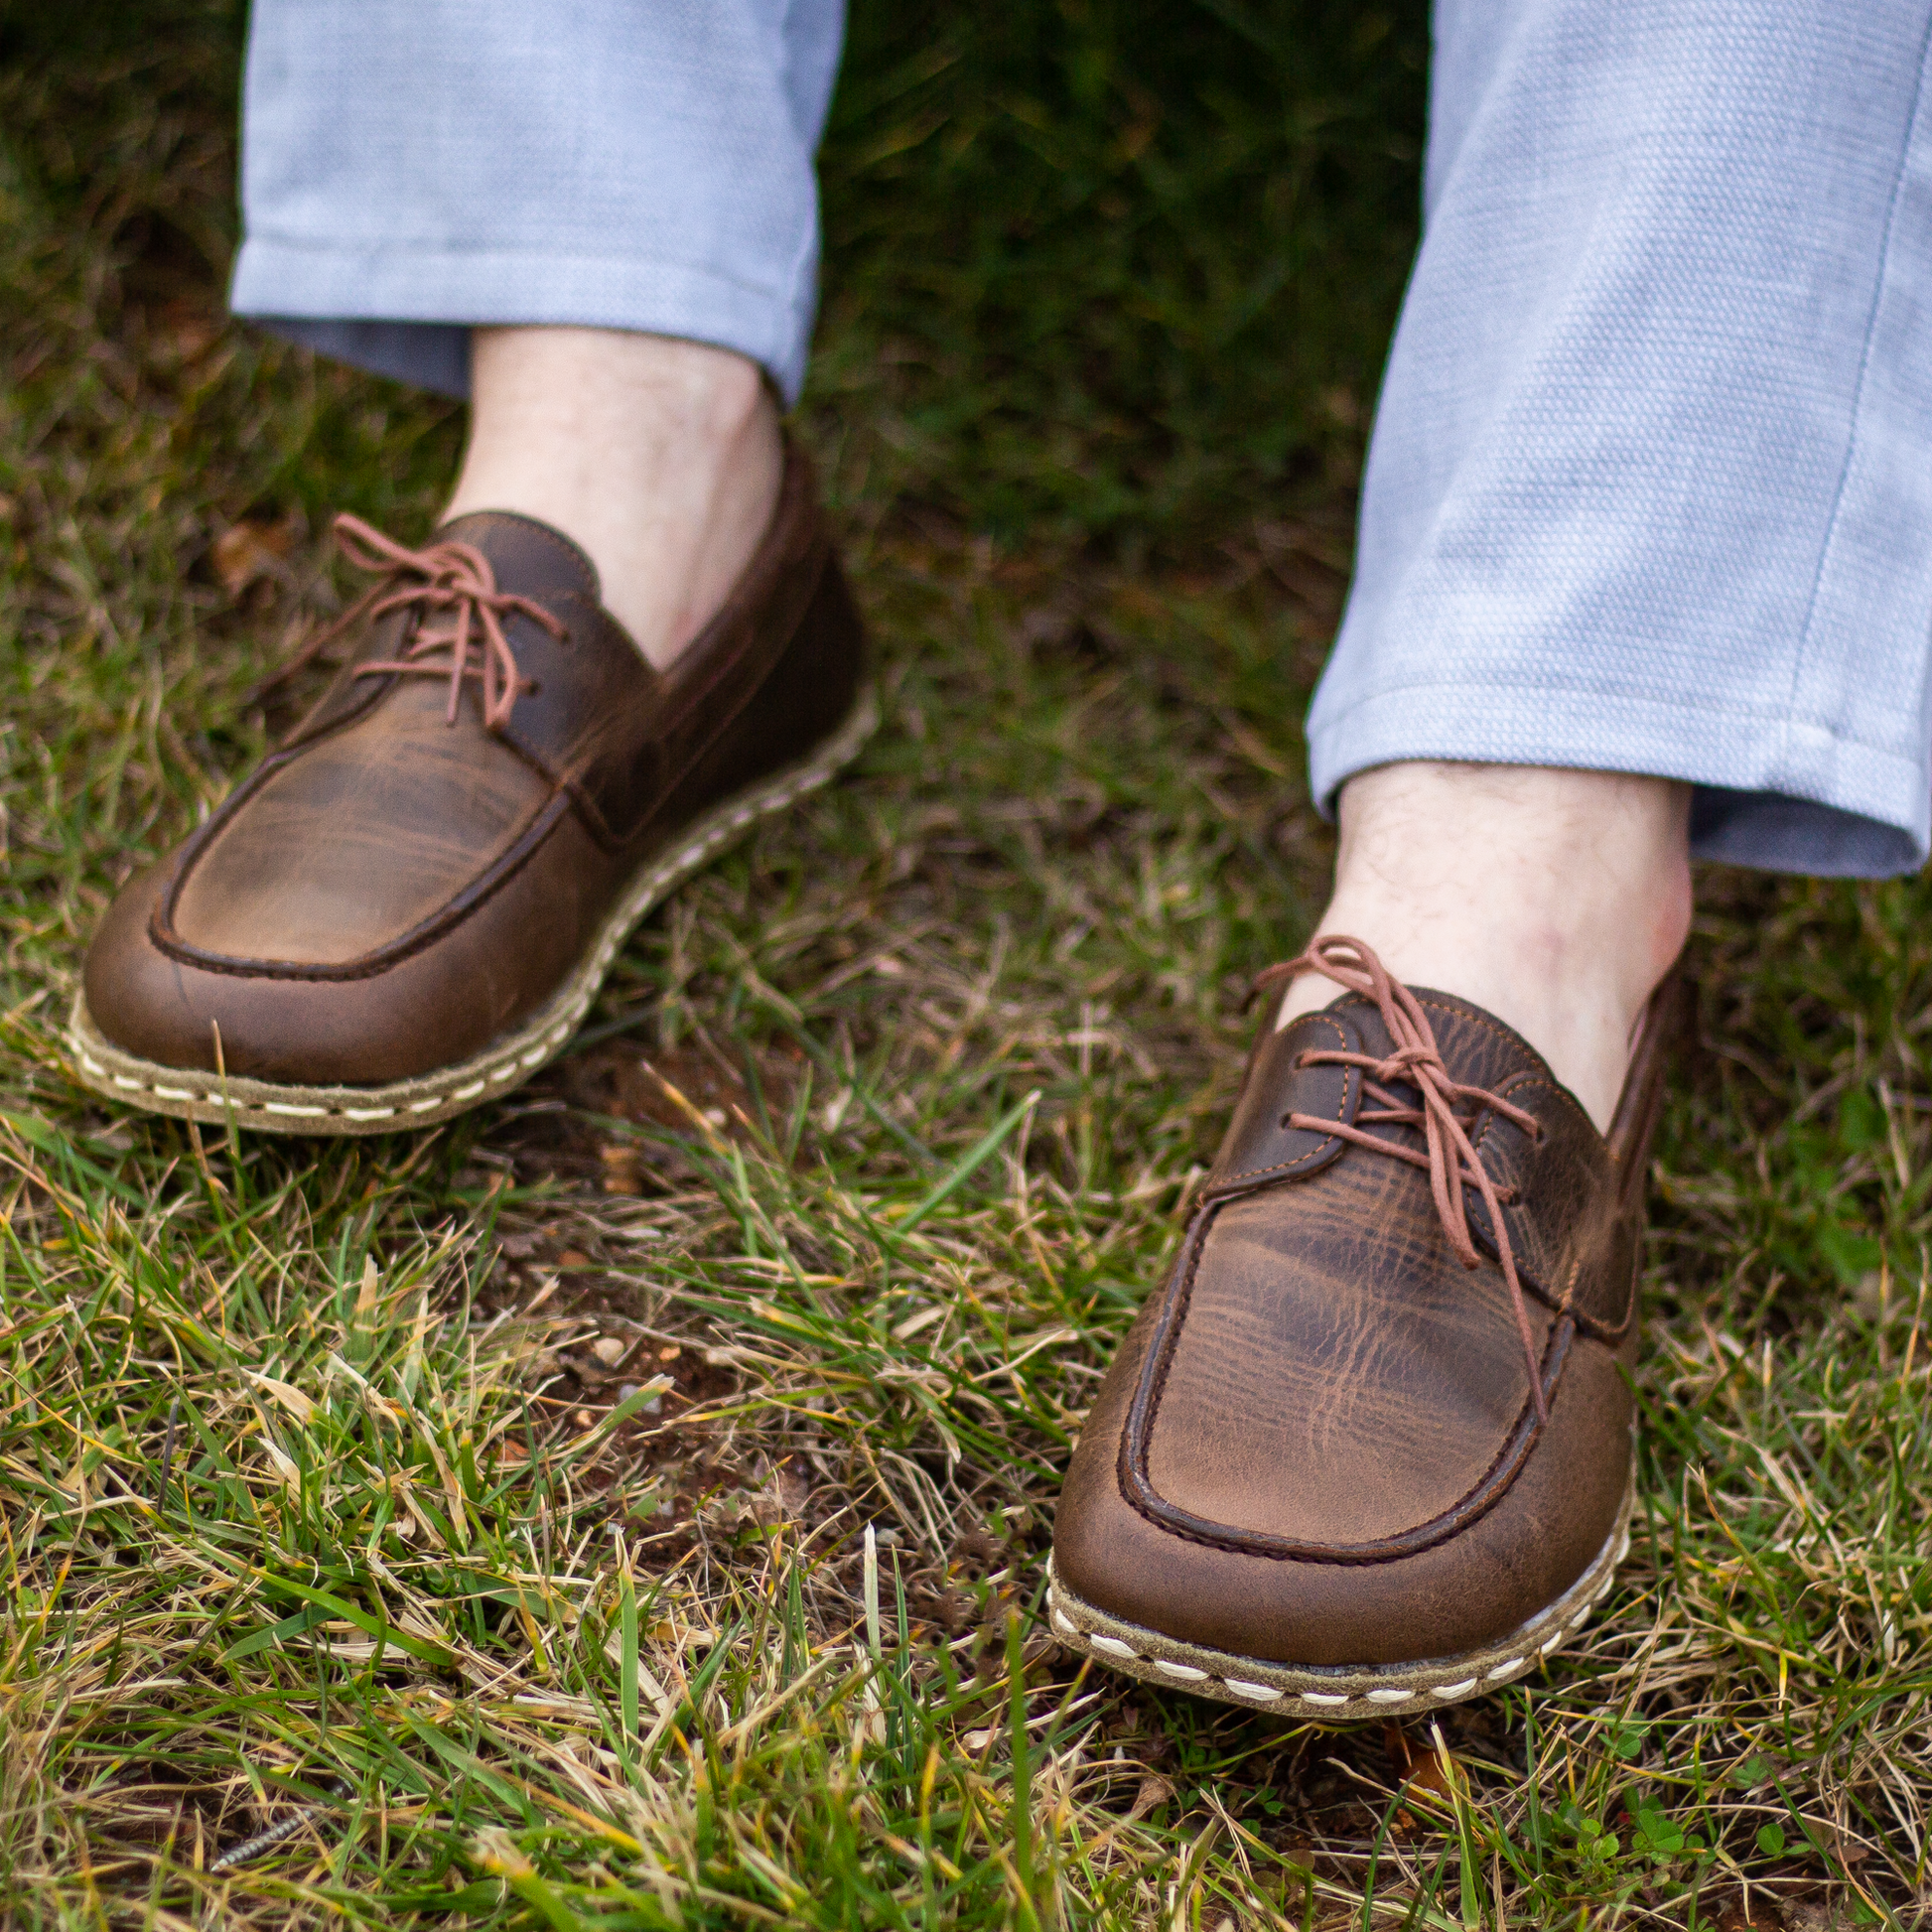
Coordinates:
253 1848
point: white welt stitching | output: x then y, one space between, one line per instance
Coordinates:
1326 1699
1112 1646
1185 1673
1504 1668
1065 1624
1461 1690
1261 1693
1393 1695
581 989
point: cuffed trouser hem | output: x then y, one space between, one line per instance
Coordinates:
1648 489
411 172
406 311
1770 793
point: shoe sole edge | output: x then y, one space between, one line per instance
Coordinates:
271 1107
1336 1693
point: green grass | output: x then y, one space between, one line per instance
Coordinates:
487 1512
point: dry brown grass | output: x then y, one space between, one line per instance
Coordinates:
488 1514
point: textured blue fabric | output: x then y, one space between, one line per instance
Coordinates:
1650 488
413 165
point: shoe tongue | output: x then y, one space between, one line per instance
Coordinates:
530 558
1478 1049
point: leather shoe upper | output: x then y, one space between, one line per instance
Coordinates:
1321 1443
426 857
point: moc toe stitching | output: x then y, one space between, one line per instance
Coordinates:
1482 1495
1459 1597
429 880
463 905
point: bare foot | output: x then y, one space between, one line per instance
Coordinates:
661 458
1556 900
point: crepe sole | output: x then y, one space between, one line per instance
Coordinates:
1335 1691
511 1059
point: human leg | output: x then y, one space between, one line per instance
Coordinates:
1555 900
660 457
601 225
1646 492
409 173
629 639
1645 572
1645 498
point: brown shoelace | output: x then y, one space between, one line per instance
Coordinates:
450 576
1451 1159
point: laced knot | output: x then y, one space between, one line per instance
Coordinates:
1416 1062
449 579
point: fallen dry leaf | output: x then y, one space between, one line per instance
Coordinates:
291 1398
186 331
621 1170
249 551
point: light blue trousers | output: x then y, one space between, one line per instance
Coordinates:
412 166
1650 488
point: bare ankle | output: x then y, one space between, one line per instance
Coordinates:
660 458
1556 900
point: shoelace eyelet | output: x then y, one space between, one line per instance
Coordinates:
1451 1161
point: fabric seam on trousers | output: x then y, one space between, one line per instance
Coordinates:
313 281
1358 741
1881 281
1541 694
426 254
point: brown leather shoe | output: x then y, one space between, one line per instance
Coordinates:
1369 1451
411 905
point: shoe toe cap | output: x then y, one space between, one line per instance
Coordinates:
1469 1590
309 1033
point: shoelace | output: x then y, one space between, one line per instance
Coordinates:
1451 1159
442 576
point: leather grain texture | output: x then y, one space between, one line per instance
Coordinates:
1318 1444
390 890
